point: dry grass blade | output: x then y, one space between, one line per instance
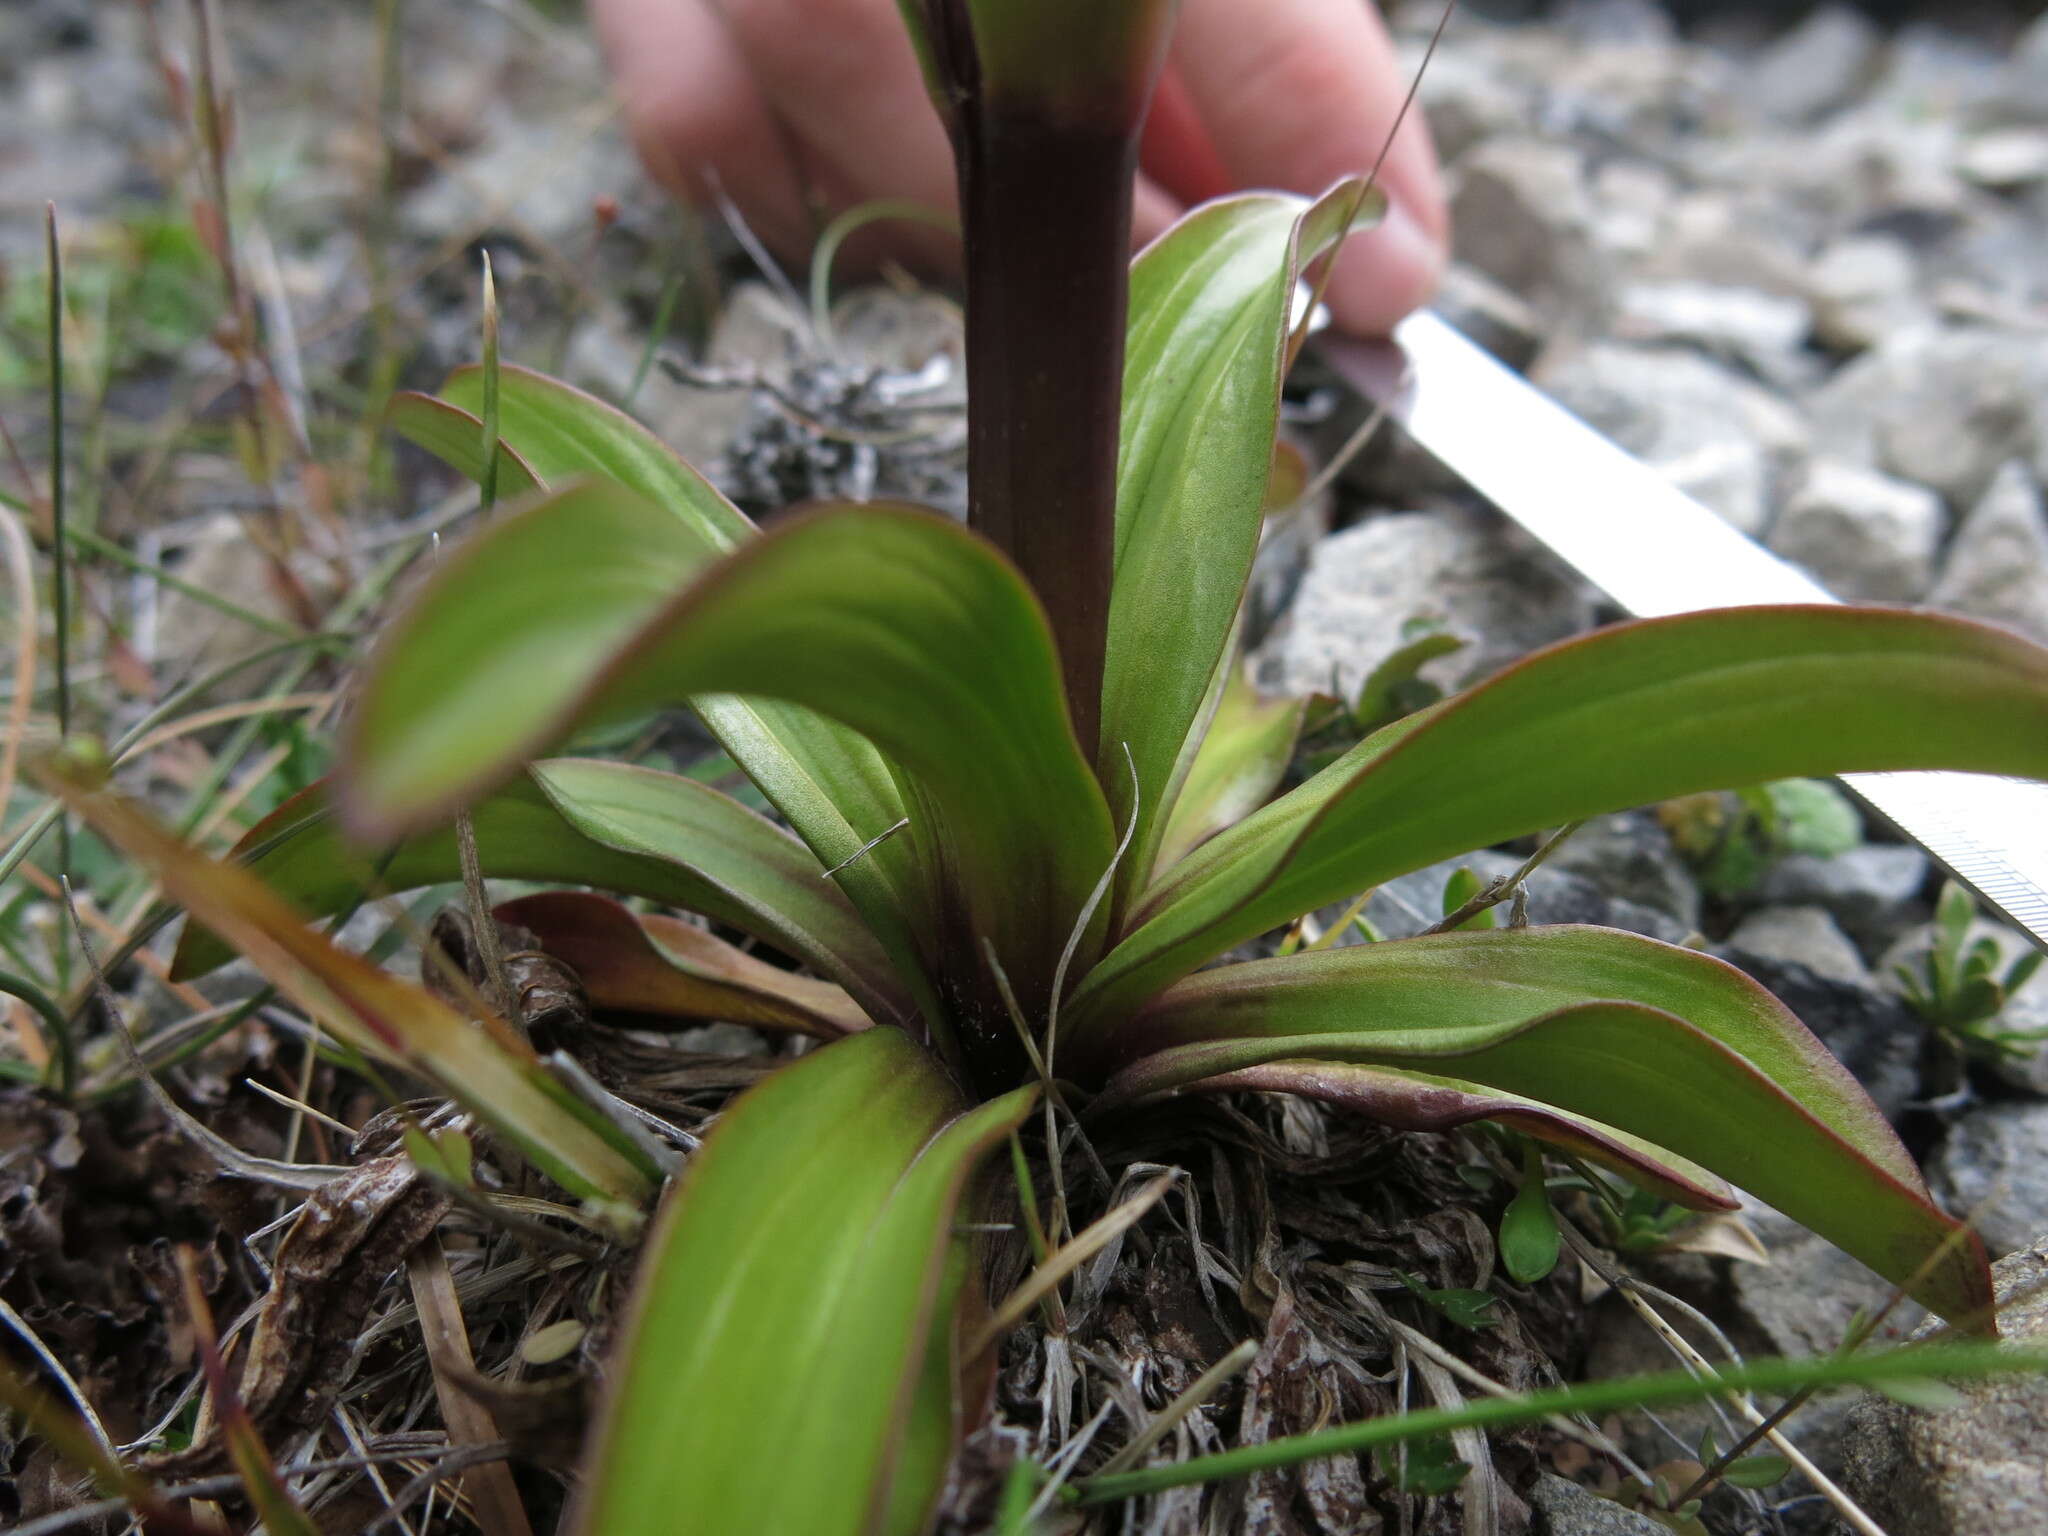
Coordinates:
469 1422
21 575
1852 1513
1085 1244
1198 1392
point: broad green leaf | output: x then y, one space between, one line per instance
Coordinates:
1632 714
787 1365
667 970
482 1063
575 821
1447 991
1241 761
1649 1073
828 783
895 621
1756 1471
456 437
1529 1239
1207 351
561 433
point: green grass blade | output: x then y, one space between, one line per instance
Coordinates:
1207 352
787 1367
1632 714
1663 1389
896 622
479 1062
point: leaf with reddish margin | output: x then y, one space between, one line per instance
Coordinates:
1208 349
1629 715
482 1063
894 620
666 969
1638 1069
1424 1101
801 1294
1243 757
580 821
828 783
456 437
1441 992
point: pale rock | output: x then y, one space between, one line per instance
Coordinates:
1716 235
1475 573
1997 567
1872 892
1520 214
1816 67
1630 856
1863 289
1980 1466
2006 159
1864 536
1560 1507
1747 325
1802 1304
1804 936
499 185
1944 407
220 557
1632 207
1711 432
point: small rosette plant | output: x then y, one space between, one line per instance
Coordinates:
1045 704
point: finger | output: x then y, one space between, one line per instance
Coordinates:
841 76
1299 93
693 107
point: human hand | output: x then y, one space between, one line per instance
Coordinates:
778 95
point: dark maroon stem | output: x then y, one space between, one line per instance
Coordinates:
1046 214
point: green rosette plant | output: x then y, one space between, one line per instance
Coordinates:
1004 759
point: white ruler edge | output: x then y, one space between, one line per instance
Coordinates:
1656 551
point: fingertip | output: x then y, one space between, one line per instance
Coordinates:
1384 274
1153 211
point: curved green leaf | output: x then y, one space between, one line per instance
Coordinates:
1207 352
456 437
786 1366
1408 1100
624 829
827 782
479 1060
1636 713
561 433
1244 754
1444 991
895 621
667 971
1651 1074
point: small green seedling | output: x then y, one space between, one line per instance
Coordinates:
1733 838
1958 986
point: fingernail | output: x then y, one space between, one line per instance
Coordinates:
1384 273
